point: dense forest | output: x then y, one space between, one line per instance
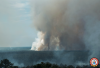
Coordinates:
5 63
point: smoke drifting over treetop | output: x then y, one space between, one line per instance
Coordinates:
66 24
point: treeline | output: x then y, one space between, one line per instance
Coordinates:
5 63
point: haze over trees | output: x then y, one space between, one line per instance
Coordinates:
5 63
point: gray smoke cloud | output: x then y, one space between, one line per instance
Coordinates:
66 24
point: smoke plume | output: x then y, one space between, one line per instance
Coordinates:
66 24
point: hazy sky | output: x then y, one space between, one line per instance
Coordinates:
15 24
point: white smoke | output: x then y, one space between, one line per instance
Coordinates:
73 23
38 42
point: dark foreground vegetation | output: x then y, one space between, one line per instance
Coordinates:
5 63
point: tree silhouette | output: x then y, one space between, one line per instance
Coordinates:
70 66
5 64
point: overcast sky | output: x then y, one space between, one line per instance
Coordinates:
15 24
